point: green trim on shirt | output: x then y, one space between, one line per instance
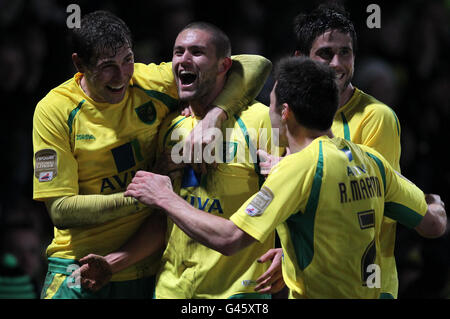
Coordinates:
402 214
396 121
170 102
346 128
170 130
381 168
251 148
386 295
301 226
72 115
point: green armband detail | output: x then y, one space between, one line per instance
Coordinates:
402 214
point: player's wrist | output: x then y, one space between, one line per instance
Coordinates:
117 261
168 201
216 115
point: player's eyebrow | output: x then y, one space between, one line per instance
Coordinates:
190 48
107 61
201 47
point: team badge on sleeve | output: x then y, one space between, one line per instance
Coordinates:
45 168
260 202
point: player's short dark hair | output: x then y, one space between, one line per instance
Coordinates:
307 27
100 33
219 38
310 90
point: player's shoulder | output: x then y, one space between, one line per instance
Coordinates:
62 98
174 120
374 106
359 153
143 69
295 168
361 150
255 107
157 81
256 111
303 159
144 74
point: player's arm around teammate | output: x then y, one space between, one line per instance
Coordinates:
273 205
222 234
130 253
76 210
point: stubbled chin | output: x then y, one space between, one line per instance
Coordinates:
186 93
116 99
184 97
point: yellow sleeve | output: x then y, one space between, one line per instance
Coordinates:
246 78
260 215
381 131
158 81
404 201
88 210
55 167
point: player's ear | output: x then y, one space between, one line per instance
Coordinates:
225 65
300 53
285 111
78 63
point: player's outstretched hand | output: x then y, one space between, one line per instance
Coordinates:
437 207
95 272
271 281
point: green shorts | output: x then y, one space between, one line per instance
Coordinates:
59 284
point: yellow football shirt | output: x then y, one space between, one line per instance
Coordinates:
189 269
85 147
365 120
327 203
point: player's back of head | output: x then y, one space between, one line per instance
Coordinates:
310 90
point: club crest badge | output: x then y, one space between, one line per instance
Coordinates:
146 112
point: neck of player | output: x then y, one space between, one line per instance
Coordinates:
300 137
346 95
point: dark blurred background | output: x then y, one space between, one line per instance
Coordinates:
405 64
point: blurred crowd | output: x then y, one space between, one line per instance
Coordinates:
403 64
